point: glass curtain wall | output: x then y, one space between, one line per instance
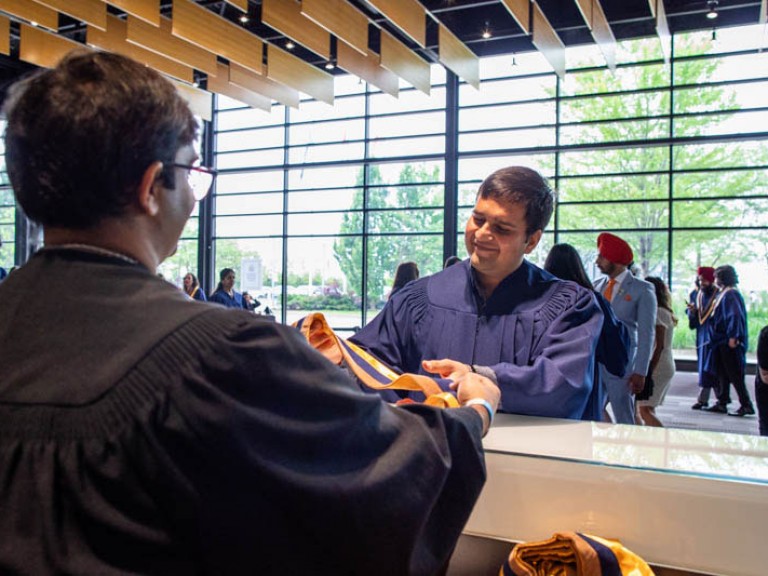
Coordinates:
324 202
7 212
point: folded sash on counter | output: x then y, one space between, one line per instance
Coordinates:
371 371
573 554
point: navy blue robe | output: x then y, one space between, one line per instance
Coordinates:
536 332
729 320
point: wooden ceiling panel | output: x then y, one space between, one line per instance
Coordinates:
398 58
200 101
92 12
285 16
221 85
287 69
5 36
161 41
202 27
457 57
408 15
368 68
340 18
262 85
42 48
114 40
548 42
521 12
32 12
603 35
147 10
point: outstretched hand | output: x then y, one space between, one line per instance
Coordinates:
445 368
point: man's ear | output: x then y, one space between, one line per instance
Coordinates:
533 241
150 186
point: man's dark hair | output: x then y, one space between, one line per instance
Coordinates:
564 262
520 185
81 135
726 275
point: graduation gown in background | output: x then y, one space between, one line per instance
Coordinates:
145 433
536 332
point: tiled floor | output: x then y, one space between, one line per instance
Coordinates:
676 411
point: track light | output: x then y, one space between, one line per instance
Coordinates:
712 5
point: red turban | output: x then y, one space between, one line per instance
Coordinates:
707 273
614 249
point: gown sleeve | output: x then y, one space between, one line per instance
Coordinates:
278 442
558 379
613 345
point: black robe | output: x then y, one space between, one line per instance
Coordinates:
141 432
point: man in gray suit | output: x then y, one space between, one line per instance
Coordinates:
634 303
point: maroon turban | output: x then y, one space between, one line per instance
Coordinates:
707 273
614 249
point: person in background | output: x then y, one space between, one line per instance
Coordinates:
612 350
761 381
497 314
701 304
225 293
192 287
250 302
634 303
168 436
406 272
662 366
728 340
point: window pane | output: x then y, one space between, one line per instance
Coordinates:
635 215
261 181
625 187
248 204
734 213
244 226
325 152
721 183
258 138
326 223
319 200
273 157
615 160
318 281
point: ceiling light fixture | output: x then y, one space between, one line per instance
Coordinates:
290 45
330 65
244 19
712 5
486 32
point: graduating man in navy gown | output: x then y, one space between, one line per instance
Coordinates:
496 313
700 307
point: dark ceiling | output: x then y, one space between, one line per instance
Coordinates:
468 19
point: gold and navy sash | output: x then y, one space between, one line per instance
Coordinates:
574 553
368 369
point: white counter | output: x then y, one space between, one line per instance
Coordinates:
679 498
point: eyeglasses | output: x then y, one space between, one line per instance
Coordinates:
199 178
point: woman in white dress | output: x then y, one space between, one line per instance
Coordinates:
662 367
